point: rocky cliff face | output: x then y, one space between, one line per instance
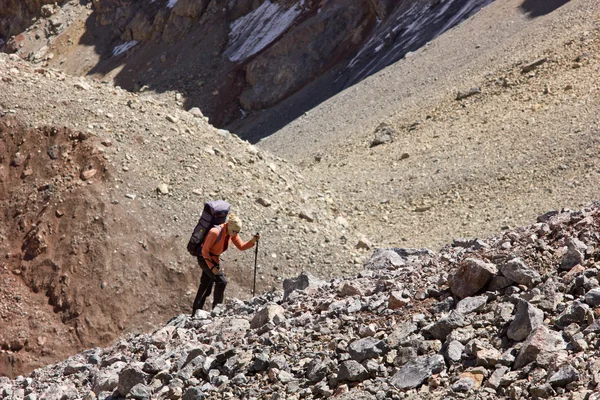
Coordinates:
234 60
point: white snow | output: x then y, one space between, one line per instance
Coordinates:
256 30
123 47
171 3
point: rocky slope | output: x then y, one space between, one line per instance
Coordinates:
524 142
104 209
234 60
513 316
458 165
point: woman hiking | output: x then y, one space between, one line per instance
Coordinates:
216 242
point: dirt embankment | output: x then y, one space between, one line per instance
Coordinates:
63 256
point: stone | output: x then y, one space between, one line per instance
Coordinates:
445 325
162 188
397 300
575 254
193 393
350 289
496 377
576 312
88 174
272 313
517 271
128 378
352 371
363 243
470 277
400 333
564 376
416 371
316 370
454 351
264 202
305 281
471 304
541 340
196 112
527 318
463 94
366 348
592 297
140 392
385 259
105 381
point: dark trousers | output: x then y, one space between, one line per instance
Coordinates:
206 284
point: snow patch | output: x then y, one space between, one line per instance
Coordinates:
123 47
256 30
171 3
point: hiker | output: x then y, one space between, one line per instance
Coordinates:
216 242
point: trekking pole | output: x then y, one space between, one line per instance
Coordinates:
255 265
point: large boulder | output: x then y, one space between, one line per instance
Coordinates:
517 271
471 276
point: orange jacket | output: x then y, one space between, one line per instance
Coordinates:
212 249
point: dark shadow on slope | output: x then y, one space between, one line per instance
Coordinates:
538 8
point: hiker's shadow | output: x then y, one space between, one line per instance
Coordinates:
537 8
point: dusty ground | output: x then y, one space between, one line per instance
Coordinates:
527 143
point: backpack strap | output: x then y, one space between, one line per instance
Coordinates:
218 237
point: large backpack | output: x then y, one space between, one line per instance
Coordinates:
214 213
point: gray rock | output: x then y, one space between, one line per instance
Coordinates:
404 355
385 259
280 362
463 94
356 394
260 363
400 333
352 371
305 281
316 370
592 297
272 313
193 393
416 371
140 392
496 377
366 348
575 254
517 271
499 282
454 351
471 304
128 378
564 376
105 381
543 391
527 318
576 312
470 277
74 368
541 340
444 326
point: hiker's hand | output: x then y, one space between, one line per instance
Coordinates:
256 237
215 269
